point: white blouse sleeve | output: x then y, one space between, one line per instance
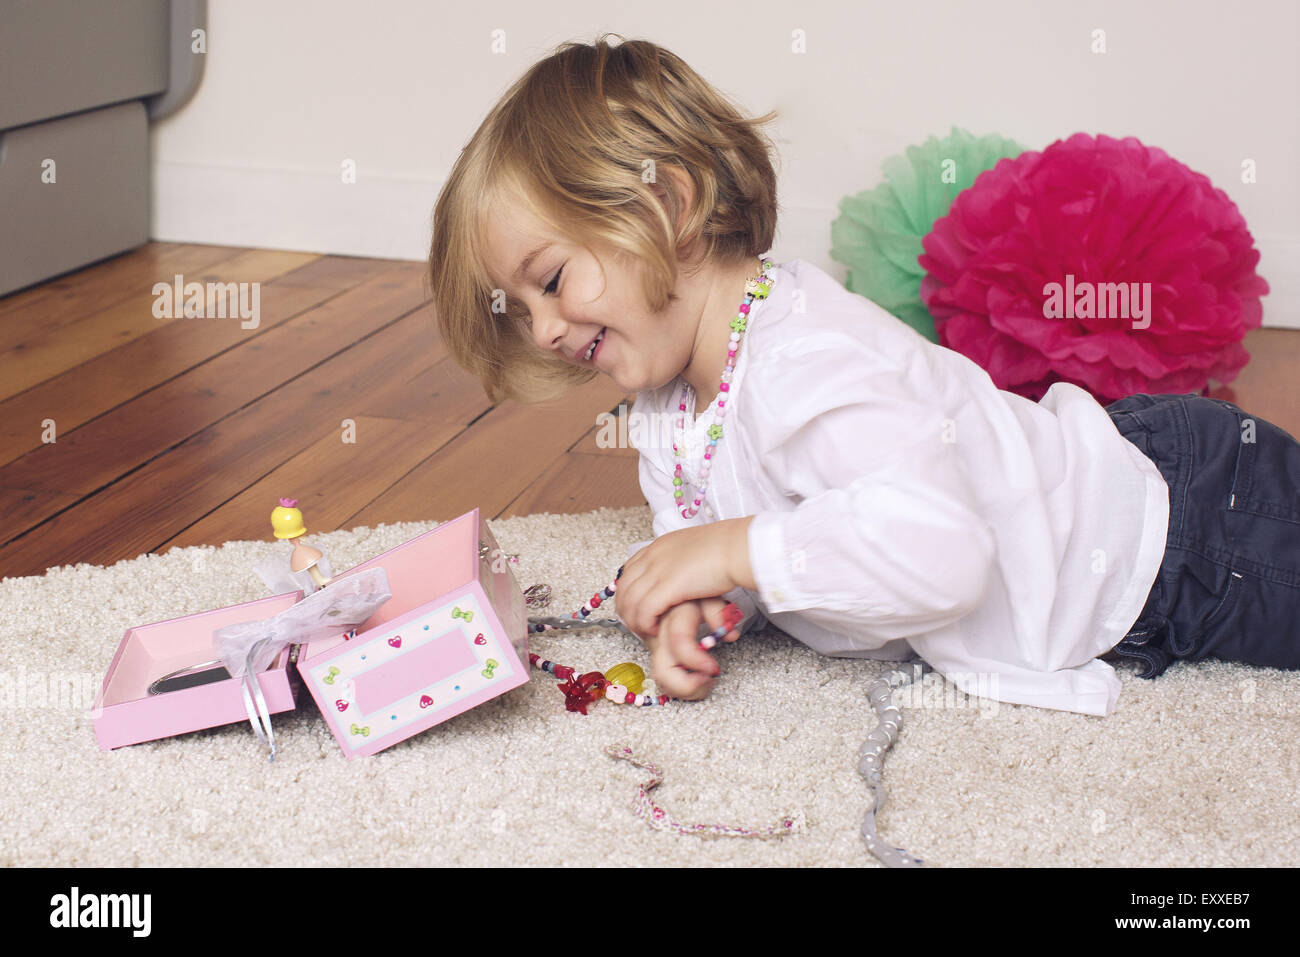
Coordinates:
657 487
887 540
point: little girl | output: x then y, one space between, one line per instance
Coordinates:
866 491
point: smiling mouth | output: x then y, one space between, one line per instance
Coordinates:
591 346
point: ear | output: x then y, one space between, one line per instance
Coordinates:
676 200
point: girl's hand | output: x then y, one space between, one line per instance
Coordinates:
703 561
681 668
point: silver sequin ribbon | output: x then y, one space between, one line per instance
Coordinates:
871 756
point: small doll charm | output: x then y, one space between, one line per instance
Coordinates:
286 520
307 568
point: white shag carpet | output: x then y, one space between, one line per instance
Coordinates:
1197 768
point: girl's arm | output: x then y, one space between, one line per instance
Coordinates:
656 485
887 540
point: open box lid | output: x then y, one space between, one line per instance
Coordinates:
453 635
446 557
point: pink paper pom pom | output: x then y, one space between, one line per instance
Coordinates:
1024 274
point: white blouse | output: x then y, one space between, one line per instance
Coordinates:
905 504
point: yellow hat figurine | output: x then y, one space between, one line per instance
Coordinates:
286 520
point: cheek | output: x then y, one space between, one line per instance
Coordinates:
584 289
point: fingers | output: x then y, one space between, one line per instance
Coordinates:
627 612
681 626
634 609
675 681
719 613
681 668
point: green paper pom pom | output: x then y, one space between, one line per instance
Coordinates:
879 231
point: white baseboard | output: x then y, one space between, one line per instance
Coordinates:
389 217
302 210
1279 264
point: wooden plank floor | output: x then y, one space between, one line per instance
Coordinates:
175 432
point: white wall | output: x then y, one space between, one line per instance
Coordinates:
293 88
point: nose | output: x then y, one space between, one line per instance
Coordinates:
548 328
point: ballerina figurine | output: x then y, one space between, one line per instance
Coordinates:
308 568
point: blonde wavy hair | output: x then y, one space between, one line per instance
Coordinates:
568 144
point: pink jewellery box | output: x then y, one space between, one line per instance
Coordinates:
454 635
126 713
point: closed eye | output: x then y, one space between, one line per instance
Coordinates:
553 284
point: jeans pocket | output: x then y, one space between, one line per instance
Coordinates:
1233 630
1220 620
1267 478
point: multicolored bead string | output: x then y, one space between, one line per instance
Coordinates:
658 818
536 625
581 690
871 755
756 288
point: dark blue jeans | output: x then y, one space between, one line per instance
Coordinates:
1229 584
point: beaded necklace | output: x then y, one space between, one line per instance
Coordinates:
581 690
755 288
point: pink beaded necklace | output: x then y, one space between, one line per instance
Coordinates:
755 288
582 690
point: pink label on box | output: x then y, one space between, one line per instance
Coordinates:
406 674
423 671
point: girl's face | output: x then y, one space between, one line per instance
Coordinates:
571 304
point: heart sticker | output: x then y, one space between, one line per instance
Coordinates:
396 642
479 639
341 705
425 701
